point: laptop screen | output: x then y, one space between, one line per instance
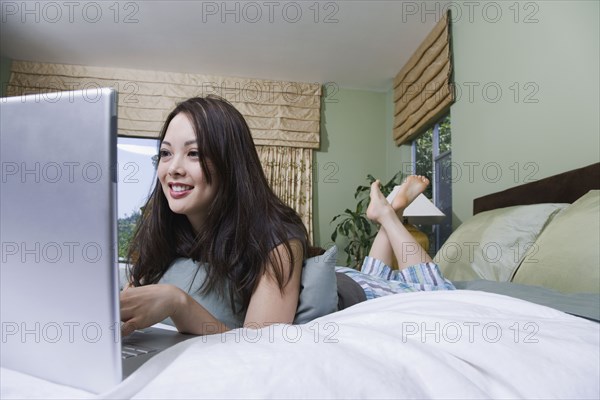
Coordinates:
59 276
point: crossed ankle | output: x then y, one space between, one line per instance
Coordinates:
387 214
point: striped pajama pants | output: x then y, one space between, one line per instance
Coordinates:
378 279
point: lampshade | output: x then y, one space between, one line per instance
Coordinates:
421 210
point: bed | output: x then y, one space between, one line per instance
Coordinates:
508 333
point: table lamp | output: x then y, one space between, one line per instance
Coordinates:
420 211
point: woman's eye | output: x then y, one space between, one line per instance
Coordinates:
163 153
194 153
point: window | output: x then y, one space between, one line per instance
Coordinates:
136 168
431 158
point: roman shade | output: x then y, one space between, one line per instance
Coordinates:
423 90
279 113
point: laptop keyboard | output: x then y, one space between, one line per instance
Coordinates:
128 351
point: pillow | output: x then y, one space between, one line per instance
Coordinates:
566 256
318 289
490 245
349 291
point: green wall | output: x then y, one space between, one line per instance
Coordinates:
550 124
353 138
4 74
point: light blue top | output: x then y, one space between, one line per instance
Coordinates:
189 276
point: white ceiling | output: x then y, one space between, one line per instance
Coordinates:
355 44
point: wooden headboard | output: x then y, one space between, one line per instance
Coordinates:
562 188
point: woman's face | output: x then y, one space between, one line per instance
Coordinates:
180 174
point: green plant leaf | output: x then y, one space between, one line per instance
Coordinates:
360 190
368 228
346 226
363 205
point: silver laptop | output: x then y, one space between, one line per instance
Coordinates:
59 273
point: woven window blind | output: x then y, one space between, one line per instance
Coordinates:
279 113
423 90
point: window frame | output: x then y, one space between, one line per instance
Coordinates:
434 232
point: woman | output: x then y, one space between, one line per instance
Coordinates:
216 249
212 204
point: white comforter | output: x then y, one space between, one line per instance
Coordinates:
458 344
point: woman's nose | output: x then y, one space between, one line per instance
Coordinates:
176 166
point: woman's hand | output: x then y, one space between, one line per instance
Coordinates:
144 306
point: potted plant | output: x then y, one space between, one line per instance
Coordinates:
356 227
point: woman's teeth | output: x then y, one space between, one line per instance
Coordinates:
178 188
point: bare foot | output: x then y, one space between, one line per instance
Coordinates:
378 206
412 186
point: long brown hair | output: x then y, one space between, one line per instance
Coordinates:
245 221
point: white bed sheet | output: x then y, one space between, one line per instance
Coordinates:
456 344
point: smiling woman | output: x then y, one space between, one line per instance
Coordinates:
209 175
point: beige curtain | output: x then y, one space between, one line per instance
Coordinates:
423 90
284 117
289 172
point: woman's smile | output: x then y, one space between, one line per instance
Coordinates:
179 190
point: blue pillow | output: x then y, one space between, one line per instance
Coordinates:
318 287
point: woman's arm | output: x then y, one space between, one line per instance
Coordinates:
144 306
269 304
